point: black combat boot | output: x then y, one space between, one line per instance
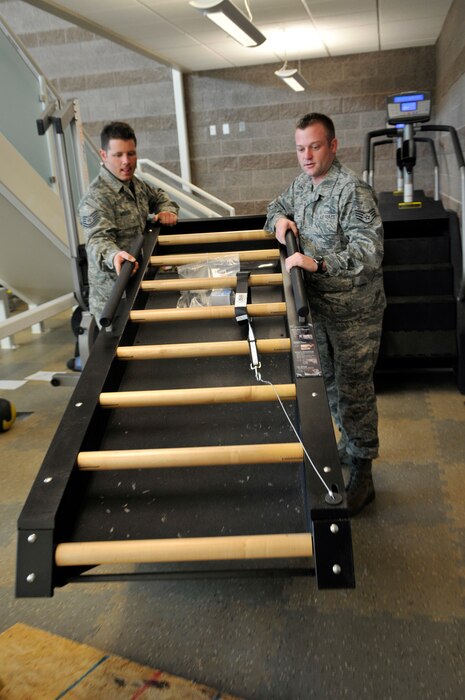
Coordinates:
360 490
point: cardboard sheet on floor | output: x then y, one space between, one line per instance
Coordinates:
40 665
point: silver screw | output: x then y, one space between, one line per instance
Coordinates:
47 479
30 578
327 469
32 538
79 404
336 569
314 394
334 528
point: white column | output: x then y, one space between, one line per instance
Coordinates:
181 124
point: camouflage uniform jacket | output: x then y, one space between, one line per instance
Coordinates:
112 217
339 220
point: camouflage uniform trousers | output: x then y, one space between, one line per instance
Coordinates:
348 349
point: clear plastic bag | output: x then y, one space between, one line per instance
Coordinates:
224 266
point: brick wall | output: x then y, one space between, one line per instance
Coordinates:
255 159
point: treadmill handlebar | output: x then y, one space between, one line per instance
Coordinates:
391 132
454 137
297 278
120 285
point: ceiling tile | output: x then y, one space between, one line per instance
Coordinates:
174 32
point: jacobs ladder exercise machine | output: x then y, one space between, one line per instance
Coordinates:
198 441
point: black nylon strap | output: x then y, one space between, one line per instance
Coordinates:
242 317
242 297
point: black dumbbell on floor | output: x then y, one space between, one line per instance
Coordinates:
7 415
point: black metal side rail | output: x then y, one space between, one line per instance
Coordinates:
55 487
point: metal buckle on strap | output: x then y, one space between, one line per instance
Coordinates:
254 361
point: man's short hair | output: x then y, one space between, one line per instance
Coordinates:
116 130
317 118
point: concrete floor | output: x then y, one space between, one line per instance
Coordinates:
399 634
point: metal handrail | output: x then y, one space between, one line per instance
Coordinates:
177 195
435 161
367 150
417 139
187 186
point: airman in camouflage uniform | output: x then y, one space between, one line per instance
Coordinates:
114 211
336 218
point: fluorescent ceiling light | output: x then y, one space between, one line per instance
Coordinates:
231 20
292 78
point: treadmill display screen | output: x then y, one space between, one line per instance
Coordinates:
408 107
408 98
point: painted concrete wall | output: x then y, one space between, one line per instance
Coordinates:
450 98
109 81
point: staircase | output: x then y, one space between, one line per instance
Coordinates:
424 323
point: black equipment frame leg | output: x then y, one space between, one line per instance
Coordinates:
327 515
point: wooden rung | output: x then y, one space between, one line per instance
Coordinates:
180 284
243 547
205 456
204 395
164 232
210 349
214 237
197 313
243 255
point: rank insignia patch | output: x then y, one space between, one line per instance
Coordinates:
91 220
365 217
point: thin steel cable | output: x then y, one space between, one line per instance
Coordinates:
255 365
258 377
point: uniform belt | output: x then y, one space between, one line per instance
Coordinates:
336 284
360 281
